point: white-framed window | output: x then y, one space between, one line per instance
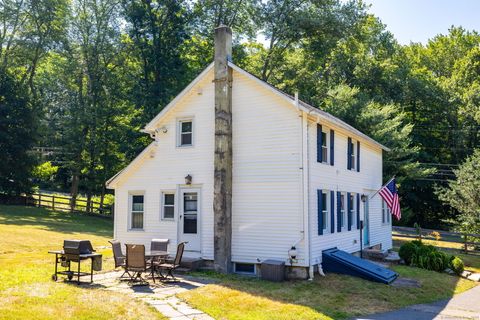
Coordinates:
185 132
351 205
343 211
325 145
325 205
385 213
168 205
137 211
353 154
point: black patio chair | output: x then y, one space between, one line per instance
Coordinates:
119 258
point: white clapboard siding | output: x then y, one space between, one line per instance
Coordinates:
167 170
338 178
267 199
267 180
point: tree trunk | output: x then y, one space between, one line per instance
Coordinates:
74 191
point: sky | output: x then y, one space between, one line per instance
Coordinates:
420 20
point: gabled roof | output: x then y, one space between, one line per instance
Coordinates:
310 109
152 125
132 164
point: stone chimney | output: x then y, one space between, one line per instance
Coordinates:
222 193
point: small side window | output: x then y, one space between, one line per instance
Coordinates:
185 137
352 208
324 147
136 211
325 210
168 205
353 155
342 210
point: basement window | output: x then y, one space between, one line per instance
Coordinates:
245 268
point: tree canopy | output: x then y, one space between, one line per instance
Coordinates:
81 77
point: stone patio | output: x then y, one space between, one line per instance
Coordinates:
160 295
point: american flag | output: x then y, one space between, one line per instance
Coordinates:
390 195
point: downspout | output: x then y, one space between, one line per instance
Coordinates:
305 183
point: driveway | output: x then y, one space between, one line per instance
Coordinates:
465 305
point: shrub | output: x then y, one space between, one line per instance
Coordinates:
428 257
407 251
456 264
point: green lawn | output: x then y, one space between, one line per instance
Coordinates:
26 291
332 297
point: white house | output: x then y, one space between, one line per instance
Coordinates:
300 177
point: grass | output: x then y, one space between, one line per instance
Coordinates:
332 297
26 291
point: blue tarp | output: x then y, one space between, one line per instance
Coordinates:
338 261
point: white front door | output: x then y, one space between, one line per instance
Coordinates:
189 219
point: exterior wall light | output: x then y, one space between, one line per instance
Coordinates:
364 197
188 179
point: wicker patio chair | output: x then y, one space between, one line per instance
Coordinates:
135 262
170 267
119 258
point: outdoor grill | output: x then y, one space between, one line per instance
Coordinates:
74 248
76 251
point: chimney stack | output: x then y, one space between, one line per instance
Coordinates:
222 194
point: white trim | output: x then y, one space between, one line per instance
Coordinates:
132 193
111 183
179 122
181 236
150 127
162 204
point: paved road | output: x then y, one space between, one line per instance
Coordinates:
465 305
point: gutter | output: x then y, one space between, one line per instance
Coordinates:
305 182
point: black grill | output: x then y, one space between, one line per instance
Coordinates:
74 248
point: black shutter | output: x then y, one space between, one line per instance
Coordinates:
358 156
319 143
349 153
319 211
332 212
332 147
339 212
349 212
358 210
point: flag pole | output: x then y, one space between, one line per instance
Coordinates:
381 188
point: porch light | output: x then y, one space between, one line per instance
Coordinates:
364 197
188 179
292 253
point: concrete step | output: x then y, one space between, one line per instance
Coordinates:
392 257
375 254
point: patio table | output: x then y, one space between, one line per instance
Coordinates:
155 256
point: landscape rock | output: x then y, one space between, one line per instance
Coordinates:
474 277
449 271
465 274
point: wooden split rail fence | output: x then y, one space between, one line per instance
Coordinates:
60 203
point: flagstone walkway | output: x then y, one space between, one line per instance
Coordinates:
159 295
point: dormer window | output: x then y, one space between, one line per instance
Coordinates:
185 133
